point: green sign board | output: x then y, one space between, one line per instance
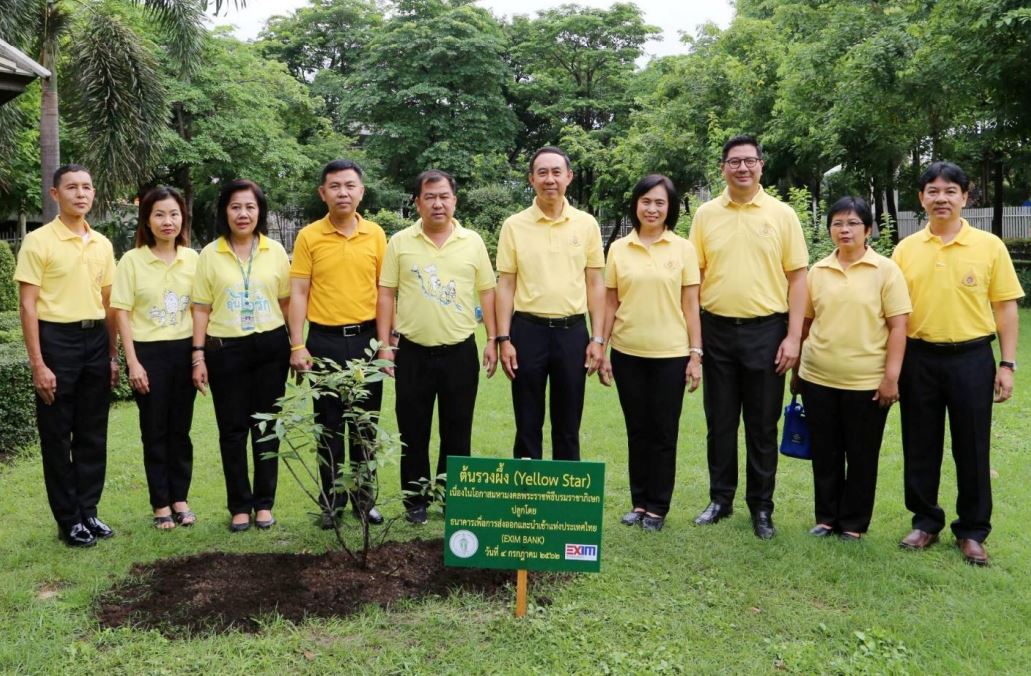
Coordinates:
524 514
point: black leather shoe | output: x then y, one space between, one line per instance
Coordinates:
714 513
239 527
77 536
762 525
851 537
98 528
821 531
266 524
416 515
654 523
374 517
632 518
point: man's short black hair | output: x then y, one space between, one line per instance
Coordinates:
339 165
742 140
224 197
552 150
854 204
672 197
431 176
947 170
67 169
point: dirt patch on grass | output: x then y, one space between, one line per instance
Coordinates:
219 592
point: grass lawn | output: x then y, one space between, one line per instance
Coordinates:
686 600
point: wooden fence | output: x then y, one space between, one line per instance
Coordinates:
1016 221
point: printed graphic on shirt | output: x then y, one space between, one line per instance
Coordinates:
435 289
172 311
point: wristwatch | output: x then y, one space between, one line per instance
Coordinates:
502 339
598 339
1011 365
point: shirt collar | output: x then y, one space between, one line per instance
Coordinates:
869 257
539 216
962 237
327 225
63 232
757 199
223 244
635 238
458 233
180 254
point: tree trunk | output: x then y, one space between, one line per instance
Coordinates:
22 227
878 201
49 141
997 198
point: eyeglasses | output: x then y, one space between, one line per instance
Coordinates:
852 225
736 162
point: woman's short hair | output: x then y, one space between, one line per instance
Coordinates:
144 235
947 170
856 205
230 189
646 184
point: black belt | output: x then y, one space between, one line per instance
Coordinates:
950 348
738 321
345 330
432 350
81 324
214 342
552 322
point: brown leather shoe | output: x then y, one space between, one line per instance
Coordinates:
973 551
918 539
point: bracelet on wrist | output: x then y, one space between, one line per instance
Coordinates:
502 339
295 348
197 348
197 361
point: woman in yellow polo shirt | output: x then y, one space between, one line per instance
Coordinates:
854 337
151 298
240 297
652 324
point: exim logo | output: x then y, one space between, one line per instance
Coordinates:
581 552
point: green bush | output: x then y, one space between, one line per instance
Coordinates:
17 400
1024 275
8 287
390 221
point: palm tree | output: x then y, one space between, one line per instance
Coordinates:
117 99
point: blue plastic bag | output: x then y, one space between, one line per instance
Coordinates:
795 442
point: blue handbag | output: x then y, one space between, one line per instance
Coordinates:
795 442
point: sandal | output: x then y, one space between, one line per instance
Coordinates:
165 522
185 518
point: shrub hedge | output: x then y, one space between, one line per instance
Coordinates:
8 287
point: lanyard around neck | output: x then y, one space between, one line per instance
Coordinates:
250 262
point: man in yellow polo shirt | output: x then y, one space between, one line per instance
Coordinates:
964 292
550 264
753 257
434 273
65 270
336 264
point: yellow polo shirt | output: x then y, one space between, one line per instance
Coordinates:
744 251
549 258
848 339
69 272
219 283
437 289
156 294
343 270
953 285
649 280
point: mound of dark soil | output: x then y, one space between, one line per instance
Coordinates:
217 592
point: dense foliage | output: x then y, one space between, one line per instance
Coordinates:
848 97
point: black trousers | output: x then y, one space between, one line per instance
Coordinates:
846 426
247 376
961 383
448 375
73 429
554 355
741 381
166 415
651 393
329 411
